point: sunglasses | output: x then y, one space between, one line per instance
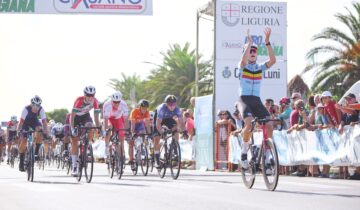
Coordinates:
253 51
90 95
172 104
116 102
36 105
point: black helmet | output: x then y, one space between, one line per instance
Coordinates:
143 103
170 99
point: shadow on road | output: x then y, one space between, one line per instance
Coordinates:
314 193
54 182
118 184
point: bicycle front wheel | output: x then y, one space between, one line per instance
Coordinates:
248 175
30 164
88 163
175 159
270 165
144 159
120 162
163 160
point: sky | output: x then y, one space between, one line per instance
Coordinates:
56 56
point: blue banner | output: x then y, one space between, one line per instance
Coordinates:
204 139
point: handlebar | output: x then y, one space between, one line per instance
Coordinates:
264 121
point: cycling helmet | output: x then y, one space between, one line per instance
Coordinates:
58 127
89 90
285 100
13 118
36 100
143 103
170 99
116 96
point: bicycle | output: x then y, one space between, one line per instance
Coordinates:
14 153
264 159
29 155
59 160
86 157
116 157
170 154
141 153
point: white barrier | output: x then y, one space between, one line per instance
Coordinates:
311 147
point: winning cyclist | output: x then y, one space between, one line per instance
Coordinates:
11 134
80 116
140 124
116 112
167 114
250 81
29 120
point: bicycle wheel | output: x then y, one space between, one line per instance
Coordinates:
163 160
120 162
88 163
68 164
111 163
80 163
136 160
12 157
30 168
41 158
144 159
248 175
175 159
270 165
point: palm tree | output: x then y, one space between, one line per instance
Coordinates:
176 75
132 87
343 65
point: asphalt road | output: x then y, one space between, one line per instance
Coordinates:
53 189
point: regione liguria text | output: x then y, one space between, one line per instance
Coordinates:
121 7
232 19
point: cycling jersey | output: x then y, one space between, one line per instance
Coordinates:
250 79
109 111
81 107
139 119
11 126
164 113
31 119
58 134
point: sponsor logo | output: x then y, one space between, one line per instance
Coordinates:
130 6
230 14
231 44
17 6
226 72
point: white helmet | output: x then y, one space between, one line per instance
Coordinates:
58 127
36 100
89 90
13 118
116 96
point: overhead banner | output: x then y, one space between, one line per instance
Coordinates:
119 7
233 19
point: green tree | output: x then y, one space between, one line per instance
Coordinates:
132 87
176 75
342 52
58 115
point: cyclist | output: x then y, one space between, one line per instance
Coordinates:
58 133
2 143
140 124
167 114
67 133
29 120
11 134
116 112
80 116
250 77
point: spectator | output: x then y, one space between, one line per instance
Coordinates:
272 108
285 110
312 111
294 115
239 122
321 118
350 116
189 125
190 111
330 109
317 98
301 123
223 122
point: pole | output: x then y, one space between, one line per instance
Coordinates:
197 55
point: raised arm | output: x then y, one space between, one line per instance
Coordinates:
272 58
246 53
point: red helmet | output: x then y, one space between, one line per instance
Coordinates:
285 100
